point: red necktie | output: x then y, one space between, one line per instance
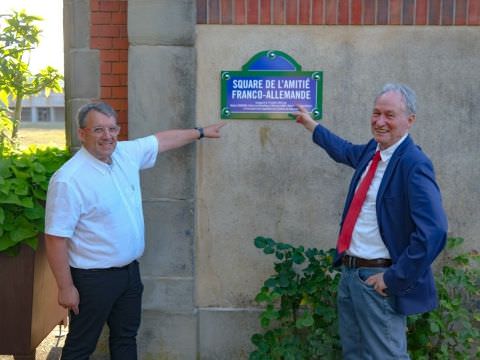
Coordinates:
345 236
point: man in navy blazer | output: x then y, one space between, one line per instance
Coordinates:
401 229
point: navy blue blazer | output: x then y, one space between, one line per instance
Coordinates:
411 218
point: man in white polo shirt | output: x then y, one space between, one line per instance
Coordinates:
94 229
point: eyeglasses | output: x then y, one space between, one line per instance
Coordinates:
100 130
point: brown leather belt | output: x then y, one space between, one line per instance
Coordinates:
355 262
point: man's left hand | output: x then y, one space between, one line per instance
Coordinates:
378 284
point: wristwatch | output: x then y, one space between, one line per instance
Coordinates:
200 130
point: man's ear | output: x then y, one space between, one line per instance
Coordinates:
81 134
411 120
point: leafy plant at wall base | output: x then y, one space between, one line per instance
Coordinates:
24 178
299 317
452 331
300 309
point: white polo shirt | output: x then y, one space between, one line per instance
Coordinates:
99 206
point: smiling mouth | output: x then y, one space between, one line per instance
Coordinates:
381 131
106 144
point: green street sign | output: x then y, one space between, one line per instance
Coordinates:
269 87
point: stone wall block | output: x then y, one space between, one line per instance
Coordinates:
170 295
161 97
84 74
226 334
76 24
172 177
161 88
169 239
167 336
161 22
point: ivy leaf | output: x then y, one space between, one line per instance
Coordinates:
32 242
268 250
22 233
20 187
38 168
434 328
260 242
26 202
39 194
37 212
298 258
6 242
262 297
10 199
305 321
264 322
271 283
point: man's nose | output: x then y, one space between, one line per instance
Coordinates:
380 120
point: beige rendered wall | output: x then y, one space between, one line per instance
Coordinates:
268 178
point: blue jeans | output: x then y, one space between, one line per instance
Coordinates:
370 328
106 296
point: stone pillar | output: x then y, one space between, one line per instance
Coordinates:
82 76
161 93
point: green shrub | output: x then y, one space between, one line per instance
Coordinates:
452 331
24 180
300 317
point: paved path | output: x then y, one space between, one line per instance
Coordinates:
50 348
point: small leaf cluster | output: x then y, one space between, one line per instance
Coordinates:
24 178
299 317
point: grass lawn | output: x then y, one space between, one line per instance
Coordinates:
42 133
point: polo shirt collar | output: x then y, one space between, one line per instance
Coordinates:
101 166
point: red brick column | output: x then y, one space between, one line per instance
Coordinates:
108 34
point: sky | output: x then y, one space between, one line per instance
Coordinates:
50 50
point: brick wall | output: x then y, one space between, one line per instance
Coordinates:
108 34
339 12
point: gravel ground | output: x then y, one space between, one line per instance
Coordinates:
50 348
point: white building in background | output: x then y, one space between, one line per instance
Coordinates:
41 108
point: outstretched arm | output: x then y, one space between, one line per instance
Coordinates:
173 139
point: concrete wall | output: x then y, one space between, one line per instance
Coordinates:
268 178
204 204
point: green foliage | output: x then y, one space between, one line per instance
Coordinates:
24 180
18 36
300 313
6 128
300 317
452 331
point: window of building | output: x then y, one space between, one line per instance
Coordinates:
43 114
